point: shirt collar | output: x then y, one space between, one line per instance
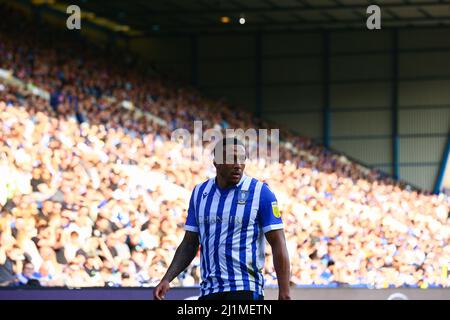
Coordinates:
232 187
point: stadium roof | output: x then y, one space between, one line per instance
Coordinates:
194 16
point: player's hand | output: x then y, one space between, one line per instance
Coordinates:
161 289
284 296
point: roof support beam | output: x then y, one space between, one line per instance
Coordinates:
303 8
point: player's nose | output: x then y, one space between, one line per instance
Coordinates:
236 168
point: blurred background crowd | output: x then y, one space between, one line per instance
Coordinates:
93 192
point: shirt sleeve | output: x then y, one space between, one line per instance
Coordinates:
269 214
191 221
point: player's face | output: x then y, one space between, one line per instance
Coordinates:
231 167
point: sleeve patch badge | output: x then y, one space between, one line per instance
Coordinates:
275 210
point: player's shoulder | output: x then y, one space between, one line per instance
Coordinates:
203 184
262 184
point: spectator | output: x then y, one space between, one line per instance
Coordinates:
28 277
7 275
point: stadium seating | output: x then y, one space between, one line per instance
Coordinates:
95 193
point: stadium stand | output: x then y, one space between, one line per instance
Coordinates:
94 192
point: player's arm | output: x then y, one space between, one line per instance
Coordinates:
280 255
272 225
184 254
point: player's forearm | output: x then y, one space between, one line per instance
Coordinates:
183 257
282 267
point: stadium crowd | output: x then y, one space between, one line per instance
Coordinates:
95 194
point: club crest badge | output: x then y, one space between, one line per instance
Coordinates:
243 196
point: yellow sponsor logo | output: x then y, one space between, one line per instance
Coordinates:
275 210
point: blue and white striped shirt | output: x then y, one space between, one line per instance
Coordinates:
231 224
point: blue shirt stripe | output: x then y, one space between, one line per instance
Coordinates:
197 207
254 266
229 241
207 268
217 239
242 245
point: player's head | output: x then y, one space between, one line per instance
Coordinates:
229 160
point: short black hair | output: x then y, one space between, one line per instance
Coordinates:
224 142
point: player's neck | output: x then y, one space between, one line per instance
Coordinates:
223 184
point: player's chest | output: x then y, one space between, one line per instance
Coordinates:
232 209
